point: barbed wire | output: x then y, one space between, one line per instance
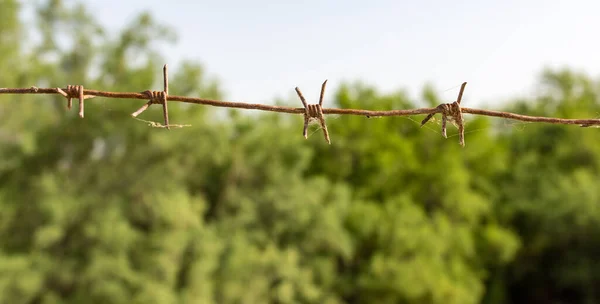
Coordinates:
451 112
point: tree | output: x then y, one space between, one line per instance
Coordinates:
550 197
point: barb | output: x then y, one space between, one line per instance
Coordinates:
453 111
450 111
157 97
72 91
314 112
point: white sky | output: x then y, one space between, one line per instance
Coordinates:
262 49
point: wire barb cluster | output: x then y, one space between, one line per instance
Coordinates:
157 97
74 91
452 112
314 112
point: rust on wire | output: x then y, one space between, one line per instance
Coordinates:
314 112
72 91
450 111
164 96
157 97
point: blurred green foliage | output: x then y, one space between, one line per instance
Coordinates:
236 210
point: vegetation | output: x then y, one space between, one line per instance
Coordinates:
235 210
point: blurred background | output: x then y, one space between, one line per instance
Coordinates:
240 208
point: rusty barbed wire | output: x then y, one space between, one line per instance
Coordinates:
452 112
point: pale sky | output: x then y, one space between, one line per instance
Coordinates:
262 49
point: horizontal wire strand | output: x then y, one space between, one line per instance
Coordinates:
452 111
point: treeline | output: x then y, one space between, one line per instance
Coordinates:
241 209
